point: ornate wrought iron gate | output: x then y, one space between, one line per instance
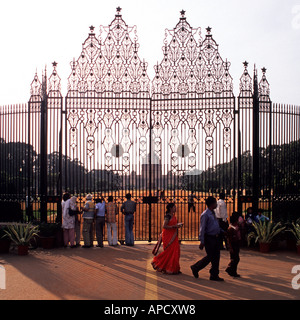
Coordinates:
176 138
160 145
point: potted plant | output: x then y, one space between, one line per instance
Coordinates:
264 232
48 232
4 240
295 230
21 235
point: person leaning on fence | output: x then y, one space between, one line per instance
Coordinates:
68 224
88 219
100 220
111 222
77 223
128 208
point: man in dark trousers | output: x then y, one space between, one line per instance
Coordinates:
128 208
234 239
209 238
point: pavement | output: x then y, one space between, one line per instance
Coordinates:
125 273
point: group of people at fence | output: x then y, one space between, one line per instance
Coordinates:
96 213
215 231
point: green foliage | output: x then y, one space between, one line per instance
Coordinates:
21 234
3 234
295 230
265 231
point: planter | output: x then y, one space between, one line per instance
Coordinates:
264 247
22 250
4 245
298 248
59 239
291 244
47 242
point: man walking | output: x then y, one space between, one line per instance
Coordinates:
209 238
128 208
222 215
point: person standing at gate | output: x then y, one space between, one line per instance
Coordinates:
209 238
74 207
111 222
68 224
88 219
100 220
128 208
222 215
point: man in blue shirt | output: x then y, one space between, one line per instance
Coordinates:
100 220
209 238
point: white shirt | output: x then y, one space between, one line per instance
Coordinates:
221 210
68 221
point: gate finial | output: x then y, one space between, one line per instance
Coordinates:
119 10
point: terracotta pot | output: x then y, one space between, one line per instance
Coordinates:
4 245
47 242
59 239
291 244
298 248
22 250
264 247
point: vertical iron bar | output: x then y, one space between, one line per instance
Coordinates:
255 178
150 173
43 150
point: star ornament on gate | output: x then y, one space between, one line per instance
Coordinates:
119 10
182 12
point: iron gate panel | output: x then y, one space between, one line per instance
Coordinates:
168 142
193 123
108 121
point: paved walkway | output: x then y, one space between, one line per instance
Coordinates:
126 273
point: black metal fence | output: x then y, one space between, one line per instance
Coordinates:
179 138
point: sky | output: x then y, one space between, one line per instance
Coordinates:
34 33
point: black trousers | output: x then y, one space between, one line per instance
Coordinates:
234 259
224 226
100 223
212 248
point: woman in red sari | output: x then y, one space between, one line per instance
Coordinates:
168 260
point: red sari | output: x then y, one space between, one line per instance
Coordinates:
168 260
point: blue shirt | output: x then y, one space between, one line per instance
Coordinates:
208 225
100 209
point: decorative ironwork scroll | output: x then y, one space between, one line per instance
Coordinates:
192 94
108 99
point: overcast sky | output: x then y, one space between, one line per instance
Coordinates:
34 33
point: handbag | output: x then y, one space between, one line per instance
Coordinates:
157 245
72 212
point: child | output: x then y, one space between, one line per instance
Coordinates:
233 240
